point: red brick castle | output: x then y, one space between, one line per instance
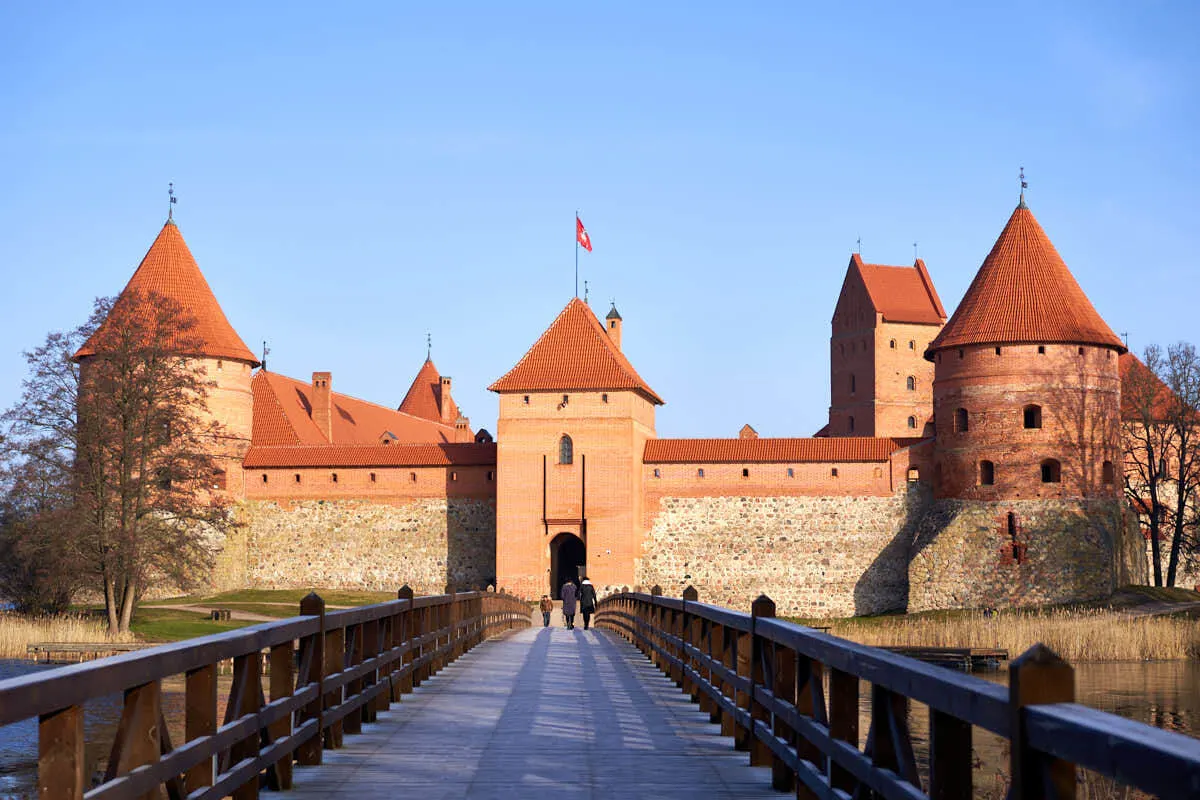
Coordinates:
965 462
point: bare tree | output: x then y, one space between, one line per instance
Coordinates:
1146 436
131 441
1182 378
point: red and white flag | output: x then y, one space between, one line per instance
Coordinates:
581 235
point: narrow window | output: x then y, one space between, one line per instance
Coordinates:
997 351
912 345
372 477
566 450
853 383
297 477
961 352
912 423
604 397
1033 416
412 476
987 473
264 477
850 421
962 422
220 366
334 477
911 383
745 472
914 475
526 399
491 476
453 476
1018 549
833 472
791 473
657 474
1051 471
1081 351
700 472
1108 473
939 358
892 344
566 398
1041 349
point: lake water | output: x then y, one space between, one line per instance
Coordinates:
1165 694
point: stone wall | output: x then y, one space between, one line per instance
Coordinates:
357 544
814 556
966 555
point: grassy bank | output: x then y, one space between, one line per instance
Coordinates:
1075 634
16 632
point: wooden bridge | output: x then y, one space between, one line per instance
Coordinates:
456 696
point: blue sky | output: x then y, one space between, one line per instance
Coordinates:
351 176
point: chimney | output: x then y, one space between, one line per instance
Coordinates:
612 324
444 403
462 429
322 403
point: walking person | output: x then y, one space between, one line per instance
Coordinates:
547 605
568 595
587 602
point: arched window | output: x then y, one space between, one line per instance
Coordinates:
1033 416
911 383
833 472
962 422
892 344
1108 473
850 423
1051 471
987 473
912 422
853 383
912 345
566 450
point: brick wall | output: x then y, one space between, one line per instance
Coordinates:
899 355
1078 394
385 484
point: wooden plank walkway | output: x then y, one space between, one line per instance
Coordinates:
543 713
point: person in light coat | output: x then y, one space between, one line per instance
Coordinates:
569 594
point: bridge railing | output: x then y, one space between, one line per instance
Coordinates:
764 680
327 674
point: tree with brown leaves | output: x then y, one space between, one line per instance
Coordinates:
121 429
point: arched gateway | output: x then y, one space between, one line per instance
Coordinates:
568 557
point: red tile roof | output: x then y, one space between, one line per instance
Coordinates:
283 416
1024 293
376 455
716 451
424 398
901 294
574 353
169 270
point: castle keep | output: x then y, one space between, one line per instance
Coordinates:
970 461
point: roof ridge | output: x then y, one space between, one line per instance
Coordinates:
371 403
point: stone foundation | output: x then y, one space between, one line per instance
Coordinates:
349 544
963 553
814 556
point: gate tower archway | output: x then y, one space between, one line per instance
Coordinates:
568 559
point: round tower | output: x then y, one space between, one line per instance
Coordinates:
169 270
1026 390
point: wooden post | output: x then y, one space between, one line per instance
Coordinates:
312 654
784 688
760 754
370 649
335 662
743 735
843 722
949 757
405 636
1036 677
353 656
281 686
60 754
249 669
200 719
138 739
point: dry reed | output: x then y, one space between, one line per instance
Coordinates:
18 631
1076 635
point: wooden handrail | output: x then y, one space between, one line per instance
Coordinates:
351 664
763 679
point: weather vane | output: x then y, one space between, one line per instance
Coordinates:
915 256
1024 186
859 243
585 291
266 350
428 346
173 201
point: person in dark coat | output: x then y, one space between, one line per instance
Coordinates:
587 602
568 595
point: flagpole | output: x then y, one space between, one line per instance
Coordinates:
577 252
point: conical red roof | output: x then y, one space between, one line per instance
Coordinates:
424 398
1024 293
575 352
169 270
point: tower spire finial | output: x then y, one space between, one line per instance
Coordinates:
428 346
1024 186
266 352
171 203
585 291
858 249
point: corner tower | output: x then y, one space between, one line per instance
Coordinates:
574 420
169 270
885 318
1026 389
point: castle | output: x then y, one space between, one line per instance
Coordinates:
966 462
